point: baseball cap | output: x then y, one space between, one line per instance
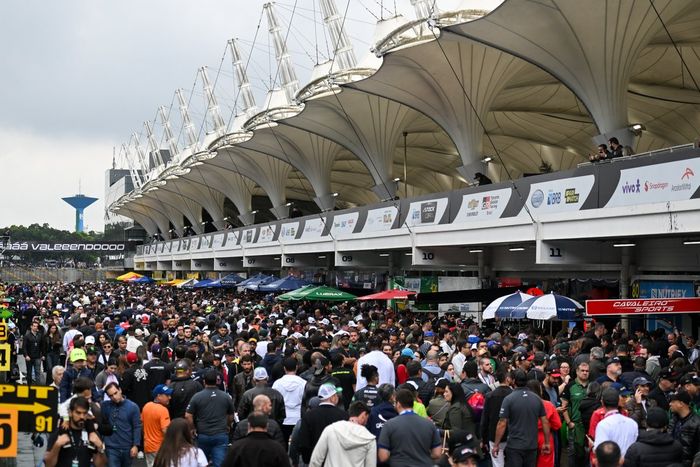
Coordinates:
89 340
441 383
138 332
131 357
77 355
327 390
314 402
656 417
612 360
680 396
260 373
162 389
91 350
641 381
554 372
621 388
668 374
690 379
408 353
429 334
465 453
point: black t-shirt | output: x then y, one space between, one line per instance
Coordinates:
78 448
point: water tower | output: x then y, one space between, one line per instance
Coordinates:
79 202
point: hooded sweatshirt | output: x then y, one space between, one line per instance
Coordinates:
345 444
292 389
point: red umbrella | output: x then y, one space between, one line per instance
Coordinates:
389 295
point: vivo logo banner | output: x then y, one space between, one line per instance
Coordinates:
658 183
53 247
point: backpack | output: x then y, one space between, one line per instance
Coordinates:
432 377
475 401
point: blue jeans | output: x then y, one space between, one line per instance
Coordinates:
214 447
118 457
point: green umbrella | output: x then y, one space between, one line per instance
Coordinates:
297 294
328 293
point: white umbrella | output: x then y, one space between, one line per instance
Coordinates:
503 306
550 306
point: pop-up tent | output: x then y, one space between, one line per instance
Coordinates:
282 285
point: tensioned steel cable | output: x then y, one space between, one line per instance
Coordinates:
675 46
481 122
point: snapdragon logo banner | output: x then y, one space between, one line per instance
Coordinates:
33 246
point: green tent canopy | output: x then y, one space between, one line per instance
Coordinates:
312 292
328 293
296 294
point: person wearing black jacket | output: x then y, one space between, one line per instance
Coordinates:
257 449
654 446
33 349
315 420
685 426
184 387
490 415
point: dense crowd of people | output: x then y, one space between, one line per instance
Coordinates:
215 377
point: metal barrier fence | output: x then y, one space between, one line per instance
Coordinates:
18 274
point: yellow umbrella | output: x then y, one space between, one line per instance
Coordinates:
128 276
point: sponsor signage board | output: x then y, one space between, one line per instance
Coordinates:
483 206
248 236
218 241
642 306
567 194
344 223
670 181
289 231
70 246
267 233
663 289
37 406
231 239
313 228
380 219
427 212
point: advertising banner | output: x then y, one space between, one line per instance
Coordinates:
483 206
670 181
380 219
451 283
289 231
248 236
642 306
313 228
663 289
567 194
218 241
66 247
427 212
231 239
344 223
267 233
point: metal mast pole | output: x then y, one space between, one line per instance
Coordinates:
168 132
288 76
186 121
212 106
342 48
249 107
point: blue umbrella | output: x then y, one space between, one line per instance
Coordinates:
282 285
503 307
215 284
550 306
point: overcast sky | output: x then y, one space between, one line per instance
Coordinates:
79 76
